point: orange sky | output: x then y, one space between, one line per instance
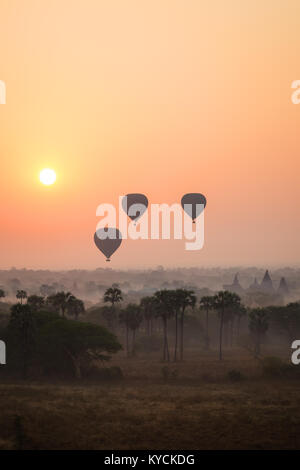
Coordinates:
162 97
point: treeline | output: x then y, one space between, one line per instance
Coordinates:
173 306
55 335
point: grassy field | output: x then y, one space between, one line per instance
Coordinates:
196 407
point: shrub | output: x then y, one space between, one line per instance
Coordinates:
235 375
273 366
168 373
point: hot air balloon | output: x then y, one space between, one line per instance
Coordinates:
108 240
135 205
191 204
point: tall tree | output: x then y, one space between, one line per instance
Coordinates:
132 317
21 294
240 313
224 302
164 301
59 301
149 311
124 320
286 319
258 325
207 304
113 295
184 299
75 307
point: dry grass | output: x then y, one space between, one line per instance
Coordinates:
200 409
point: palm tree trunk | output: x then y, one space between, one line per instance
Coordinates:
206 337
221 333
231 332
257 345
238 328
226 333
166 355
181 334
133 342
176 336
127 340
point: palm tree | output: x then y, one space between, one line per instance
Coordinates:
184 298
207 304
239 313
258 325
131 317
21 294
59 301
124 319
75 306
224 301
135 319
164 302
113 295
148 308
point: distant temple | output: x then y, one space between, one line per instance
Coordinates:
283 287
235 286
266 283
266 286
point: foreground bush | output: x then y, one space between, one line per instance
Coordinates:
47 343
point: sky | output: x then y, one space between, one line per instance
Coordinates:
163 98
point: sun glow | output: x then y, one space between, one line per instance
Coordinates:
47 176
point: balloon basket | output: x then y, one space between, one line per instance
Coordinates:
107 260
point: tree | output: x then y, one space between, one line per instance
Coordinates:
223 302
135 319
2 293
207 304
75 307
131 317
124 319
22 335
36 302
258 325
21 294
59 301
65 341
148 308
113 295
183 298
286 319
240 312
164 303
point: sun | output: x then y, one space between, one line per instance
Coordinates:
47 176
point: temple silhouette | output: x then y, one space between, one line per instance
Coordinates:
265 286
